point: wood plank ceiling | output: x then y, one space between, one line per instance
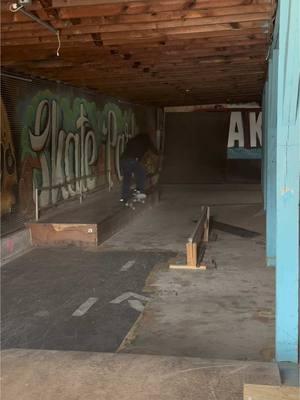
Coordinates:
163 52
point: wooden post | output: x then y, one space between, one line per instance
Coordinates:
206 227
199 235
194 254
189 254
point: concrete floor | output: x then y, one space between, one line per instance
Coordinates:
42 289
49 375
222 313
170 224
191 313
227 312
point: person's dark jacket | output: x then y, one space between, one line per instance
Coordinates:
138 146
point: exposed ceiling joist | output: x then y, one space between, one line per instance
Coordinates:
146 50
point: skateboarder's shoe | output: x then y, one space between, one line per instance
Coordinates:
129 204
139 195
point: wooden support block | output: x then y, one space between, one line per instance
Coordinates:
194 254
188 267
266 392
206 227
193 249
189 254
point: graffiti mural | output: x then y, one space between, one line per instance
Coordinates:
8 175
244 135
62 141
62 146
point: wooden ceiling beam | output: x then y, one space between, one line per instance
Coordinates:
77 3
8 17
110 9
166 75
116 22
183 15
183 88
108 40
207 40
17 54
161 74
214 96
191 55
146 50
163 38
214 35
180 91
102 76
174 27
171 81
242 62
181 41
126 79
113 37
51 12
47 59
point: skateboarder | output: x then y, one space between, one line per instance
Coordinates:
131 164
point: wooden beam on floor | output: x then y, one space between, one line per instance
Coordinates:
266 392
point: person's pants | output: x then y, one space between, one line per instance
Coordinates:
131 167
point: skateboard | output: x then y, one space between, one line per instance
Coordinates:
136 197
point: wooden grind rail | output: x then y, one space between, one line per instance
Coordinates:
194 247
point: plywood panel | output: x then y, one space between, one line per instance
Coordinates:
44 234
265 392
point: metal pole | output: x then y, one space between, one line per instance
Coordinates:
109 181
80 192
38 20
36 204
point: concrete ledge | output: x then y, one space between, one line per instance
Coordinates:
49 375
14 245
114 223
82 233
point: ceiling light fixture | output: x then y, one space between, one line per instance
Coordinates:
19 6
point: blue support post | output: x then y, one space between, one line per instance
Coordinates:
271 162
287 190
264 143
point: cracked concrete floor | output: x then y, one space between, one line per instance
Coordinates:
226 312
